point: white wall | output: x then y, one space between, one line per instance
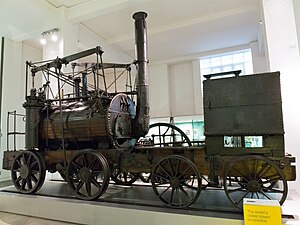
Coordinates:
258 58
283 54
13 95
175 89
296 4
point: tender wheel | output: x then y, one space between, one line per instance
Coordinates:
165 134
254 177
123 178
176 181
88 175
28 172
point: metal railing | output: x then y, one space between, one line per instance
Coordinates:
14 131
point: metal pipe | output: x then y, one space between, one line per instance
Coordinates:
84 84
77 88
141 121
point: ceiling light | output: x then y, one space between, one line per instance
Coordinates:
43 40
54 37
52 32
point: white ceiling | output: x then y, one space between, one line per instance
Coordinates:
175 27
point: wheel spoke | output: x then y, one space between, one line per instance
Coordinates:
242 197
172 195
18 179
96 173
161 184
179 196
79 186
177 168
88 188
266 195
76 165
275 190
165 171
184 191
238 189
23 184
185 172
263 171
245 165
255 168
243 176
29 159
92 163
167 188
29 184
19 162
273 180
33 178
34 163
171 168
93 181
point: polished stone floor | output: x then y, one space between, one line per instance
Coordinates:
212 202
15 219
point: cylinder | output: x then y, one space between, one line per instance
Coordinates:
33 106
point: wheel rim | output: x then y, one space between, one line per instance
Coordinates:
88 175
28 172
254 177
123 178
165 134
176 181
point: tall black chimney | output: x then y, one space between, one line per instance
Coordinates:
141 121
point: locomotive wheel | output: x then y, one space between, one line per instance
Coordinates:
88 174
28 172
254 177
123 178
165 134
176 181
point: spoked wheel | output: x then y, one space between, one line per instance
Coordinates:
123 178
254 177
176 181
28 172
88 175
165 134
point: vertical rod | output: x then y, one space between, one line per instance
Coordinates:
115 77
61 120
15 124
1 76
26 79
7 128
104 81
97 73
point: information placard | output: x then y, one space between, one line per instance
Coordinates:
262 212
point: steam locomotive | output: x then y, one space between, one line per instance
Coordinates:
90 134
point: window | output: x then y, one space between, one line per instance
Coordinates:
243 141
239 60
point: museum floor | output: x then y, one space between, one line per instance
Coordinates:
122 205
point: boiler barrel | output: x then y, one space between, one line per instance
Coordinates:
75 126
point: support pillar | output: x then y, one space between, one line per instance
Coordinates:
283 54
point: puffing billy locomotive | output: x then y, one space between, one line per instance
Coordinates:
90 135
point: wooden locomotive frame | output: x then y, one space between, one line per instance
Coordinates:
90 135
